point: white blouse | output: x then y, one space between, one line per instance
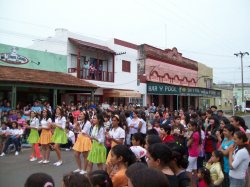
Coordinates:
61 121
117 133
143 129
45 123
98 134
34 122
85 127
16 131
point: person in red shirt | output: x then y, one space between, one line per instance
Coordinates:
165 134
204 178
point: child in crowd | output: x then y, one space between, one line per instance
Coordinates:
204 178
14 136
75 180
157 125
121 157
137 148
100 178
107 124
228 142
159 157
39 180
165 134
147 177
3 138
215 165
193 143
179 164
71 139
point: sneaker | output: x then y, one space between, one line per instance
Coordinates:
45 161
33 159
59 163
55 163
41 161
3 154
67 149
16 153
82 172
76 171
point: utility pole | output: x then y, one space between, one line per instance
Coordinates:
241 55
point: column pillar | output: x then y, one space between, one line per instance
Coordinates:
13 96
54 98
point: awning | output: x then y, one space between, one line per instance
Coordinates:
91 45
121 93
41 77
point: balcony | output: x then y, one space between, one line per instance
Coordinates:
96 75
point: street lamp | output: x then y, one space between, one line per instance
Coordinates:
241 55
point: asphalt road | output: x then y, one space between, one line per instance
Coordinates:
14 170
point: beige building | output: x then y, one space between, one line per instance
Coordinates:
225 103
205 80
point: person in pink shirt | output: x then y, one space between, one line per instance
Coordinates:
20 120
193 143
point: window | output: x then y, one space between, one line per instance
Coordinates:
125 66
209 83
73 61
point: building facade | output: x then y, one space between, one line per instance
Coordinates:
172 79
111 65
28 75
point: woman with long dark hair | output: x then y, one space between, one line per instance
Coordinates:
59 136
97 154
194 143
239 158
83 143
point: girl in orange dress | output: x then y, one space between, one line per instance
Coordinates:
45 137
121 157
83 143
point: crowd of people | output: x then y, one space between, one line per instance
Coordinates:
133 145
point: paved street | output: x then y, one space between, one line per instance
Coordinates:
14 170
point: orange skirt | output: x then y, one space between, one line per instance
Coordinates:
83 144
109 155
45 137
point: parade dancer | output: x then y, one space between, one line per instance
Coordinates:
45 137
83 142
97 154
34 136
59 136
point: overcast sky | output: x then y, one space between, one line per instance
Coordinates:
208 31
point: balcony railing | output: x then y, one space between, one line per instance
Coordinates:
96 75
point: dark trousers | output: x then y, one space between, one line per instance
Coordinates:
16 141
68 145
